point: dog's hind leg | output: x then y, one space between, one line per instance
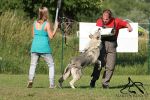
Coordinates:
67 72
76 74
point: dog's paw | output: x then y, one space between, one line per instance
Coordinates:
72 86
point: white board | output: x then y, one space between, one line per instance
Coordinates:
127 41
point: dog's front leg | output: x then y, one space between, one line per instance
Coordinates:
76 75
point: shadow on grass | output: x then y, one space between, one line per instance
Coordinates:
112 87
121 86
66 87
84 87
117 87
78 87
88 87
40 87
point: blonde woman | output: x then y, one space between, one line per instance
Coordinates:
41 33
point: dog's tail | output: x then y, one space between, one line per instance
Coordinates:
66 74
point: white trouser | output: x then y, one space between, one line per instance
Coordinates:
49 60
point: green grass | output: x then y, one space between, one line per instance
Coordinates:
13 87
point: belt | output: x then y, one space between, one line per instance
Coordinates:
109 38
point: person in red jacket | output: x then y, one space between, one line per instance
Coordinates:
108 50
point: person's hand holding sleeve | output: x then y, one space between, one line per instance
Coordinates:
129 28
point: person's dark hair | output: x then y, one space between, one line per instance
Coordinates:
108 11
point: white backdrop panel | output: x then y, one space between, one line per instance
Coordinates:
127 41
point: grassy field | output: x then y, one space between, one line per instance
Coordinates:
13 87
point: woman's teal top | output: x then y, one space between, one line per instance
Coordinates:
40 42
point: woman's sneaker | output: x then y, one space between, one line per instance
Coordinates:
30 83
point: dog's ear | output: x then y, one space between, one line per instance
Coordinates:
99 30
90 36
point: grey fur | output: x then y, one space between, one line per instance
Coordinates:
89 56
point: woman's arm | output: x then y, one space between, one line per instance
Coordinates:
48 28
49 31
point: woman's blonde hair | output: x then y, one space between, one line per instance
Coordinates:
43 14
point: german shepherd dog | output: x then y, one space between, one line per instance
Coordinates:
89 56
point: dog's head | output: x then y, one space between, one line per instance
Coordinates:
96 35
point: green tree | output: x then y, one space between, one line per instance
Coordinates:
74 9
31 6
10 5
136 10
82 10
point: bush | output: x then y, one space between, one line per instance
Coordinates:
14 42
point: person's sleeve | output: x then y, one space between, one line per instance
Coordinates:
99 22
122 23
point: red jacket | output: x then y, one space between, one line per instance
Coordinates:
119 24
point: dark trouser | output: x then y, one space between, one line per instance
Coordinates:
108 59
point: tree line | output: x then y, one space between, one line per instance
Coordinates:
81 10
